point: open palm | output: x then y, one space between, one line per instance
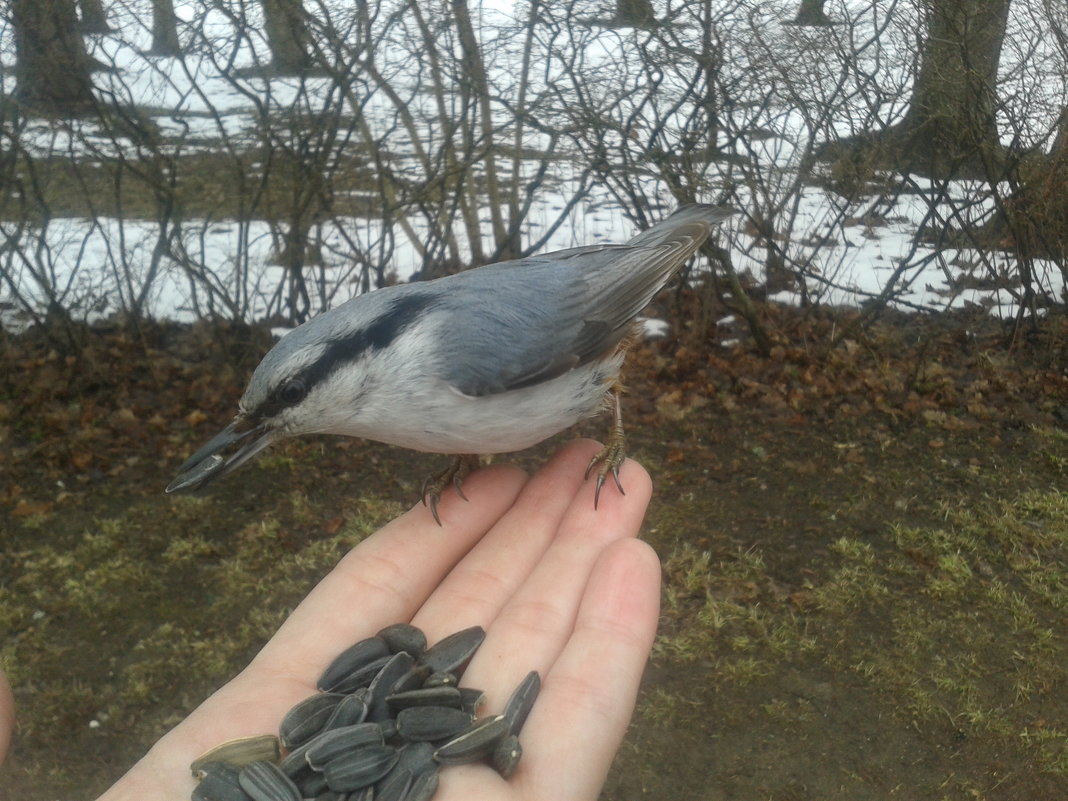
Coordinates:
560 588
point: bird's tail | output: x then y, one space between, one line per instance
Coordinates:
701 216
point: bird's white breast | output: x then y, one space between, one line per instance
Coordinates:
430 415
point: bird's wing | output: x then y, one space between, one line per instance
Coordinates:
523 322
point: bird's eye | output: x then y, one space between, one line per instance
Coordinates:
292 392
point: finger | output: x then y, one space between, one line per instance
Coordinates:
588 695
479 586
534 625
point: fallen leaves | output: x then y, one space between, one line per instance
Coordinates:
27 508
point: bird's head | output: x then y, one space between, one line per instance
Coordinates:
311 381
273 406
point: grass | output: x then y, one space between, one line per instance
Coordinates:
233 595
957 625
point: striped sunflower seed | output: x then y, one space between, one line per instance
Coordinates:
358 768
428 723
404 637
425 696
351 659
307 718
264 781
412 680
359 677
328 745
506 756
382 685
441 679
218 782
351 710
471 699
424 785
476 743
522 701
454 652
395 786
239 752
416 757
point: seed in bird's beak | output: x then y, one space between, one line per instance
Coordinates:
222 454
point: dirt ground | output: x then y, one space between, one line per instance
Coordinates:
864 550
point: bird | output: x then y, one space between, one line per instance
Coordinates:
490 360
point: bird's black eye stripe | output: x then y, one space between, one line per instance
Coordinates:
377 334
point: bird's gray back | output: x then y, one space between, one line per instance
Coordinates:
526 321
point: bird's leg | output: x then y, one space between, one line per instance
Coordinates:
454 474
611 456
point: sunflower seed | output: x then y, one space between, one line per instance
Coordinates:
358 768
395 786
423 786
264 781
441 679
351 660
331 795
454 652
416 757
425 696
294 764
404 637
389 728
351 710
522 701
330 744
218 782
476 742
312 784
471 699
506 756
382 685
427 723
412 680
307 718
362 676
240 752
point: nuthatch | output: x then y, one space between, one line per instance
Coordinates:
491 360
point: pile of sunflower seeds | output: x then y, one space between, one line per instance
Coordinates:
388 716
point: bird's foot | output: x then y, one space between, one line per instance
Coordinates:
454 474
611 456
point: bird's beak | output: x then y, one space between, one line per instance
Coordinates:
242 438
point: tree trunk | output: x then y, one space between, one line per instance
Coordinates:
1033 220
52 67
951 123
506 242
638 13
93 17
164 29
287 35
811 13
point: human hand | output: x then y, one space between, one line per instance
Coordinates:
560 588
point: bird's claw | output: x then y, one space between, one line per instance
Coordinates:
436 483
611 458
